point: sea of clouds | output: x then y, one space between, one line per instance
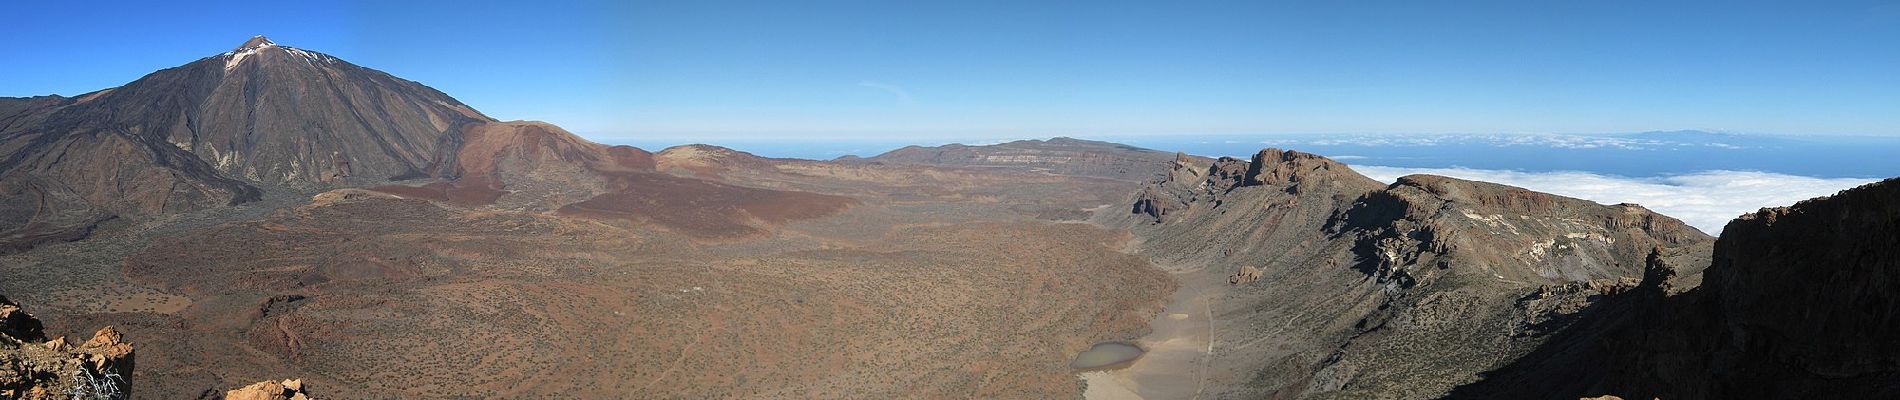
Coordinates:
1706 200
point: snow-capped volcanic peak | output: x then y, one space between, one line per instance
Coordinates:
249 47
256 42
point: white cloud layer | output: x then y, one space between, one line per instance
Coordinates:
1706 200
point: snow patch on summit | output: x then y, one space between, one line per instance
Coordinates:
237 56
311 57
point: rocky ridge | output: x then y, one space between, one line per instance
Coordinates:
1374 290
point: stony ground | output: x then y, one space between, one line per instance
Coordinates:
979 286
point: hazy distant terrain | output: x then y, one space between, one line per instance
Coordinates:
1706 178
1645 154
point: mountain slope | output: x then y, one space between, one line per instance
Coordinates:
208 133
278 114
1384 291
270 113
216 131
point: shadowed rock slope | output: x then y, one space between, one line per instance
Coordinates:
1799 302
1366 290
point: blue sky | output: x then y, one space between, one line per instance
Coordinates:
819 70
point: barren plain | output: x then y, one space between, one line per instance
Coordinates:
953 283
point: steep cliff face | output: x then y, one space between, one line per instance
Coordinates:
33 367
1810 294
1798 302
1373 290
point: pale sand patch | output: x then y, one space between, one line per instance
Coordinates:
1108 385
1179 342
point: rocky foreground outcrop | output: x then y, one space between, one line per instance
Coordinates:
1372 290
1798 302
34 367
288 389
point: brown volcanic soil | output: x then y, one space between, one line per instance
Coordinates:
955 285
466 195
514 259
702 208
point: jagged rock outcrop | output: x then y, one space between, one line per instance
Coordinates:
1246 275
17 324
1798 302
288 389
1187 182
1287 168
1374 290
33 367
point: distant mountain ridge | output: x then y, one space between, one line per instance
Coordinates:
1061 155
